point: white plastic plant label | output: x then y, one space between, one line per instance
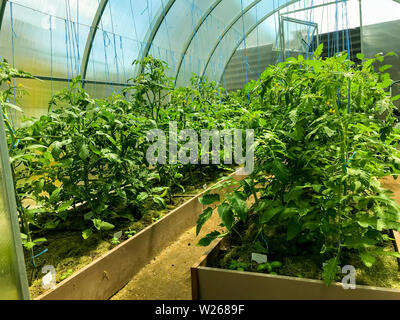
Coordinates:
49 280
118 235
259 258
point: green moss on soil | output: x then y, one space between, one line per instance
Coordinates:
301 262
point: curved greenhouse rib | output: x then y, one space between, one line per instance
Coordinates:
196 29
236 19
3 4
91 36
253 28
245 36
150 38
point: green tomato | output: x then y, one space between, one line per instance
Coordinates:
276 265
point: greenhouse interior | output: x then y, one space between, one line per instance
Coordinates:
200 150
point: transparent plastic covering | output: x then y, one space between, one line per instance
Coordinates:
99 39
381 34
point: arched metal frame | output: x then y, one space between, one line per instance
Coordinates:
154 30
152 35
3 4
227 29
193 35
95 26
92 34
271 13
253 28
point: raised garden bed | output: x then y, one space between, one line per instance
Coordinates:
106 276
217 284
211 283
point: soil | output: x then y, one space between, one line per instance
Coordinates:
301 261
168 276
68 252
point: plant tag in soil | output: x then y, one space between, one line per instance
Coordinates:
259 258
49 280
118 235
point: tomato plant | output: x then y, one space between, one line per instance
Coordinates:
325 139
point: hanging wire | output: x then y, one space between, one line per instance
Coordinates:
13 36
114 42
67 49
140 47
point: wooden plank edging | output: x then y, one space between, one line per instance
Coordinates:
220 284
104 277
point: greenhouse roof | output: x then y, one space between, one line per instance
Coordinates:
99 39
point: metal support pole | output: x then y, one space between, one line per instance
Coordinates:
10 207
3 4
361 27
92 34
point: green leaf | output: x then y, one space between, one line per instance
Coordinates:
225 212
330 271
239 205
55 196
12 106
294 229
29 245
395 98
41 240
86 234
367 259
329 132
158 190
382 252
160 201
56 150
385 83
280 171
65 206
204 217
209 199
360 56
359 243
269 214
384 68
366 221
318 51
388 224
102 225
112 157
210 238
84 152
143 196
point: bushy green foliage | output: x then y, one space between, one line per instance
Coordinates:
325 138
83 166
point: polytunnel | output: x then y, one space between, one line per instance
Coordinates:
230 42
100 39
